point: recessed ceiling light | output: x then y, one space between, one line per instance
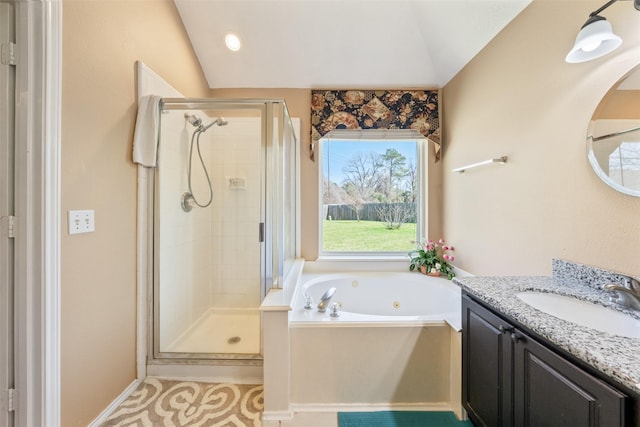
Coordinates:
233 42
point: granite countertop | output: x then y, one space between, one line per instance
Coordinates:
614 355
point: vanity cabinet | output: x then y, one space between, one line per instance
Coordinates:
511 379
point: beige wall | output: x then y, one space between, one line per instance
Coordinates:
620 104
519 98
101 42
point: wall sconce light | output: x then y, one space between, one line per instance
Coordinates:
596 37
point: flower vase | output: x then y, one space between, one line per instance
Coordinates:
423 269
434 273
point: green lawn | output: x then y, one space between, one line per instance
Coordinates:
366 236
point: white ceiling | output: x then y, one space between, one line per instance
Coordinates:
341 43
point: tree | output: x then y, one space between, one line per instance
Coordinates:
362 180
362 174
354 199
393 215
394 165
333 194
411 184
377 178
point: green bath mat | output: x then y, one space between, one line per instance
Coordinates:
400 419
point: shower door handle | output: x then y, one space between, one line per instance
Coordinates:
261 232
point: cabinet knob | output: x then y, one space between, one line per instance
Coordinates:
514 337
504 329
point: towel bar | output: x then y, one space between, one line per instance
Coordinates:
501 160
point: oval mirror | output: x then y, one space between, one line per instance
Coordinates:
613 137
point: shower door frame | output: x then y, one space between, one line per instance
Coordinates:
268 262
7 216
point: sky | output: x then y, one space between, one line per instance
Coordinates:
340 152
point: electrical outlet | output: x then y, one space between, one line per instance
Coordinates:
81 222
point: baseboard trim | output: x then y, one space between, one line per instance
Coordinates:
370 407
113 405
236 374
277 415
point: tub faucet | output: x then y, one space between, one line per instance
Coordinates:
308 302
627 295
324 300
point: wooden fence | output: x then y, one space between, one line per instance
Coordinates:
369 211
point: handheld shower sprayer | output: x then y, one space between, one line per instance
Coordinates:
219 121
188 197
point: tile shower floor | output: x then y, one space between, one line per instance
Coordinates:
222 331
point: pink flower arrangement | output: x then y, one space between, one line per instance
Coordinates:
433 257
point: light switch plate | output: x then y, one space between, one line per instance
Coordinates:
81 222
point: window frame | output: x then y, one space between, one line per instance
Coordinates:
421 188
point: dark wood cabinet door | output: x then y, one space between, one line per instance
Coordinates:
486 360
549 391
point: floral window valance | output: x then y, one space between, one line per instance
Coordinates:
376 109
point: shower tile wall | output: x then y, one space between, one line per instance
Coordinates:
235 215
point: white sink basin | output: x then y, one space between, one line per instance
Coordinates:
583 313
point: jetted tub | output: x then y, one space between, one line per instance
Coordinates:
379 297
395 345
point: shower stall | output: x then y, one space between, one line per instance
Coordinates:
224 208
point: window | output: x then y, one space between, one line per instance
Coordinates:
371 192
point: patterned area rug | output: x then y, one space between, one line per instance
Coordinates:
167 403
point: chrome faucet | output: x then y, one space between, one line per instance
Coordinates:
324 300
627 295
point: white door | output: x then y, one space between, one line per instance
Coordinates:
7 160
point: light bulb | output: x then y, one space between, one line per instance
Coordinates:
233 42
591 46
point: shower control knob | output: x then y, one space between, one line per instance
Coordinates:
335 307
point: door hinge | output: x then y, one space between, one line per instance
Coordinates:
8 224
11 399
8 53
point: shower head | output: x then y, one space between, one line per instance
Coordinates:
219 121
193 120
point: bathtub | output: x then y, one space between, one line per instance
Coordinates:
396 344
396 297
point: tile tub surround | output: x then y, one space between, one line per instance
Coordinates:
613 355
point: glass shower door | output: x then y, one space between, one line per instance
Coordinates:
209 272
